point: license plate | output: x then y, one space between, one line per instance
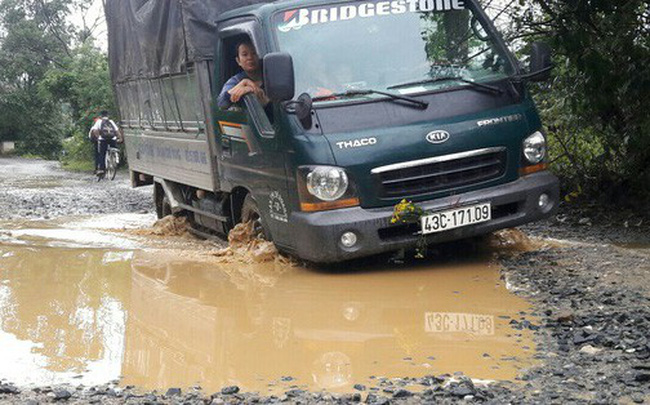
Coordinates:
450 322
450 219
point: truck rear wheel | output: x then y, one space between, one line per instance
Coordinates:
161 202
250 212
165 207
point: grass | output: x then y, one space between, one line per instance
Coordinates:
78 165
30 156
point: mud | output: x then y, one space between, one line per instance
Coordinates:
86 300
153 319
246 247
167 226
594 324
590 223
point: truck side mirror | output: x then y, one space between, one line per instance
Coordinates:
540 62
278 76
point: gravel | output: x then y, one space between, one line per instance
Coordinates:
591 300
39 189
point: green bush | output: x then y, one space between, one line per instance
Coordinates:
34 145
78 152
596 107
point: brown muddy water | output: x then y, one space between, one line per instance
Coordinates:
635 246
83 305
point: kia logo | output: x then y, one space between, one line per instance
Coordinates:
437 136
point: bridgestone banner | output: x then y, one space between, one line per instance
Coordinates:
298 18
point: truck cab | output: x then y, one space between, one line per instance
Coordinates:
405 100
372 104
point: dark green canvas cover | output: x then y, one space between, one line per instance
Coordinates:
153 38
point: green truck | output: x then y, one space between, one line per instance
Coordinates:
371 103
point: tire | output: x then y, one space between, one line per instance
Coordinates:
114 165
250 212
165 207
111 165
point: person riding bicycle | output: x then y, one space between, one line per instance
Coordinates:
105 133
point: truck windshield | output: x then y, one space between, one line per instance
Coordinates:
404 45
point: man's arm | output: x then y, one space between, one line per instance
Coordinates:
248 86
241 89
93 134
224 101
261 95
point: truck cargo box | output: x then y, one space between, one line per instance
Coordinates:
160 57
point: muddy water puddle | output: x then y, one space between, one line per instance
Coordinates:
644 247
122 231
180 317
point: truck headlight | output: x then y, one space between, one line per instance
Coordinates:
535 148
325 188
327 183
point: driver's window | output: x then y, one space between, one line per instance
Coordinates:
243 86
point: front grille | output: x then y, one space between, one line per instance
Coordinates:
441 173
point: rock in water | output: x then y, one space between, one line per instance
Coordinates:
402 393
230 390
173 392
8 389
62 395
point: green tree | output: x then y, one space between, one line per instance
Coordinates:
596 106
36 38
84 85
53 80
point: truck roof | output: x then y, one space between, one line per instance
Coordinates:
155 39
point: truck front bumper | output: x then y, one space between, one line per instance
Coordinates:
318 234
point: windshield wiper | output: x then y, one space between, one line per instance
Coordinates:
351 93
485 87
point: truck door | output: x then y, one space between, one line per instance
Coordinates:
252 151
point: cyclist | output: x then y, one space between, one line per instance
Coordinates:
104 133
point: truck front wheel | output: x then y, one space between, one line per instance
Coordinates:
250 212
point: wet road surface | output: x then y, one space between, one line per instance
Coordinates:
82 303
33 189
85 299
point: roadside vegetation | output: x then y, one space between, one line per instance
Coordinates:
595 107
54 80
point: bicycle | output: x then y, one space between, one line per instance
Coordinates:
112 160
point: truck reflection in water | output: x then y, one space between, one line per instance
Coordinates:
62 315
251 324
163 319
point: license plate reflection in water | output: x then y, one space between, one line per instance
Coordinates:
448 322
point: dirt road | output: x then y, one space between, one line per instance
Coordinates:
32 189
94 308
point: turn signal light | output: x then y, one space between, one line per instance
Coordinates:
533 169
328 205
